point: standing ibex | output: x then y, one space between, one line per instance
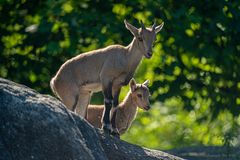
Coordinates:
106 69
126 111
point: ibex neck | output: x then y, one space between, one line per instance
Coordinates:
129 107
133 47
134 53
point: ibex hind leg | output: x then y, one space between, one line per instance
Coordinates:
68 94
84 98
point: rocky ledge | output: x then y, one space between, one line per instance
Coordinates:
36 126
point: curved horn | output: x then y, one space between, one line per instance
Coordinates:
154 25
142 25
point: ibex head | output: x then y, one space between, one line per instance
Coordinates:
140 94
145 36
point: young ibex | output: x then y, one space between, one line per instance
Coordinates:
126 111
106 69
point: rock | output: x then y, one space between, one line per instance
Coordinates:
35 126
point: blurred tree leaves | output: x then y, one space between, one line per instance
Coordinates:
169 126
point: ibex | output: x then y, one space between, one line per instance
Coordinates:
106 69
126 111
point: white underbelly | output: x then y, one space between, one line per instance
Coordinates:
93 87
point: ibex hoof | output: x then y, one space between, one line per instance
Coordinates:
115 133
107 128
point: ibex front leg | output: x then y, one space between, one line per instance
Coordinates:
116 92
108 101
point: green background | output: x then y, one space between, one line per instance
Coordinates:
194 72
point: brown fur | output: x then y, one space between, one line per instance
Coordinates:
126 111
106 69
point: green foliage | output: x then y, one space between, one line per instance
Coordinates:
168 126
194 70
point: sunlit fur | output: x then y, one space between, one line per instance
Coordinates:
94 71
127 109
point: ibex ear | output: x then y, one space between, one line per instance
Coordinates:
146 83
133 85
131 28
159 28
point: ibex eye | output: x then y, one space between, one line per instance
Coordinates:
139 95
140 39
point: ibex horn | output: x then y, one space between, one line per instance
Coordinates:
143 27
154 25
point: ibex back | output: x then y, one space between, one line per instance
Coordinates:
106 69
